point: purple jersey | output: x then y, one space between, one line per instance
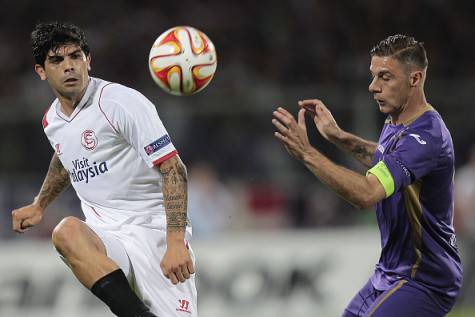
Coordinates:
415 219
405 298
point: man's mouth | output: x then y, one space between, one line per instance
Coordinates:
70 80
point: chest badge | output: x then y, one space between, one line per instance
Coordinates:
89 140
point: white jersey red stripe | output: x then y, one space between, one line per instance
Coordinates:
110 145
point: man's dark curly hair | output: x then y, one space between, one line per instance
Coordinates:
51 35
403 48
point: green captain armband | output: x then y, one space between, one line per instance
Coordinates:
383 174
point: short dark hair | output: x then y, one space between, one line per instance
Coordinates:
403 48
51 35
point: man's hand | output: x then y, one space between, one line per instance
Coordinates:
323 118
26 217
177 264
291 133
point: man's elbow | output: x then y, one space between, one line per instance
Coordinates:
371 192
366 201
360 205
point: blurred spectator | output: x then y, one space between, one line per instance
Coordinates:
211 206
465 196
312 205
267 204
465 223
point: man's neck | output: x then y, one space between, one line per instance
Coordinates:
414 108
69 103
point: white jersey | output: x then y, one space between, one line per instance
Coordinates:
109 146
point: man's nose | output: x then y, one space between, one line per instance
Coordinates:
373 86
68 64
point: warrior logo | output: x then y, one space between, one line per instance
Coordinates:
57 147
184 306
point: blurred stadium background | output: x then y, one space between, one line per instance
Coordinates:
270 239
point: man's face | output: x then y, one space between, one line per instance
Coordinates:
66 70
390 85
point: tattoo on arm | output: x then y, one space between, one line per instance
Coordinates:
175 193
360 149
363 154
56 180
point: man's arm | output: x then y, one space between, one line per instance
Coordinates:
176 263
361 191
56 180
175 192
361 149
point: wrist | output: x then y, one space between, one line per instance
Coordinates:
338 137
37 204
309 156
174 236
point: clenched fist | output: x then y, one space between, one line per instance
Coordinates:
26 217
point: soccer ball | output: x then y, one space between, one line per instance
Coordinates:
182 60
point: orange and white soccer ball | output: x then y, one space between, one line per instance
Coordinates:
182 60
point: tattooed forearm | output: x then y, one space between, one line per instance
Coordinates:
361 149
175 193
176 220
56 180
363 153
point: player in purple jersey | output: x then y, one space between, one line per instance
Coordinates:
410 181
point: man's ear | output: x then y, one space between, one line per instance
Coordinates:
415 78
88 59
40 71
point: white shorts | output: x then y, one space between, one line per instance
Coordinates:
138 250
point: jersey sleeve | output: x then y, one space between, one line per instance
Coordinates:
47 117
138 122
413 156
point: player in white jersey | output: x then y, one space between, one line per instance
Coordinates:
132 250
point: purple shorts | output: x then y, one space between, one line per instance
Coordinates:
405 298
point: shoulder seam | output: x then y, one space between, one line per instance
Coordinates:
100 108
